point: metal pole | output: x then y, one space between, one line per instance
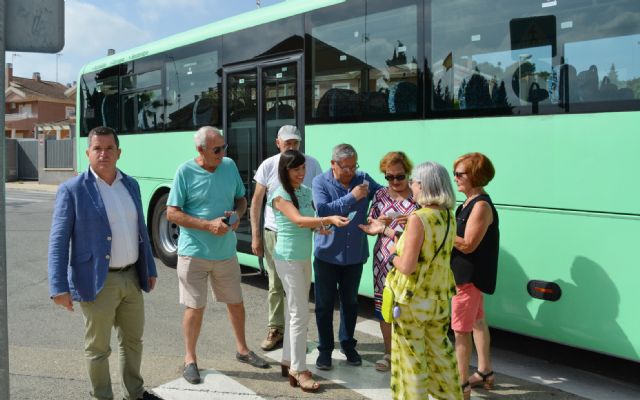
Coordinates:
4 330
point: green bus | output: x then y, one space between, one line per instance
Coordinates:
549 90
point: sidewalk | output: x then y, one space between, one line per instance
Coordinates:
31 185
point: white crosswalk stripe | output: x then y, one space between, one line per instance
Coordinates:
364 379
214 386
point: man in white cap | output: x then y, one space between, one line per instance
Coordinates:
266 178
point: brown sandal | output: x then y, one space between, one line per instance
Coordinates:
466 390
284 370
303 379
487 380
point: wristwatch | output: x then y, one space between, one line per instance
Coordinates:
391 257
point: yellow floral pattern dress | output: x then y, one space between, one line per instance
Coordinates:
423 361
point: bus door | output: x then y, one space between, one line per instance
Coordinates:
259 99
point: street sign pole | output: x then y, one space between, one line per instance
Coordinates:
4 328
25 25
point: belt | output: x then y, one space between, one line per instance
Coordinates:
123 269
270 230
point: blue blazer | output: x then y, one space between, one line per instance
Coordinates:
80 239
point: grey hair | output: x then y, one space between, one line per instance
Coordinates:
435 185
342 151
200 138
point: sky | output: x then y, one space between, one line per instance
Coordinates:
93 26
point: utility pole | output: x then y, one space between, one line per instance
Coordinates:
33 26
58 55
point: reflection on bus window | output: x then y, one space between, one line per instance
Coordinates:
366 67
192 93
142 111
614 74
99 100
583 62
392 54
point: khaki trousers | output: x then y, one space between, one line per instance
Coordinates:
120 305
275 295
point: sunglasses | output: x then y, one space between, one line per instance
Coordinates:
390 177
218 149
459 174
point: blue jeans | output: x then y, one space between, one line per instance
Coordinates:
346 279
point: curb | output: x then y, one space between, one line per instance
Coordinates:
21 185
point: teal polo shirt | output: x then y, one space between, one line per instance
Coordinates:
294 243
206 195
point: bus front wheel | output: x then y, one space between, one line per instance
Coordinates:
164 234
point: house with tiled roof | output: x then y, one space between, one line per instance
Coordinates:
34 106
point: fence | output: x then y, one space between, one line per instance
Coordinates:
27 159
59 154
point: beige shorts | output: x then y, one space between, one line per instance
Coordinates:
194 273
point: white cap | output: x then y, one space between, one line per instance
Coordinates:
288 132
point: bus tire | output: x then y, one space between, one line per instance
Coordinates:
164 234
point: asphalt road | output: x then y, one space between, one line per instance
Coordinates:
46 360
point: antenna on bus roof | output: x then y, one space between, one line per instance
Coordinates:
258 3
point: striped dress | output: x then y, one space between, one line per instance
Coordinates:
384 204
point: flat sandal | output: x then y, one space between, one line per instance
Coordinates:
487 382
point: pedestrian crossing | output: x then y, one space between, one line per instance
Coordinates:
364 380
214 386
368 383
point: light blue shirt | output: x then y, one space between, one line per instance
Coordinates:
294 242
206 195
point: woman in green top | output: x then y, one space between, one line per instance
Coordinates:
423 361
293 209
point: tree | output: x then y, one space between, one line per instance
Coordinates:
613 75
477 92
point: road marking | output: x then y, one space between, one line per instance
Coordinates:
370 327
364 380
214 386
567 379
31 200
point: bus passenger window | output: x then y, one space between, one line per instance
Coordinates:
192 83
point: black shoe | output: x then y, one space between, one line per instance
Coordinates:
191 373
353 358
149 396
252 359
323 362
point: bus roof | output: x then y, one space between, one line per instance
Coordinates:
238 22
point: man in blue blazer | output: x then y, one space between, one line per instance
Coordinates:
100 256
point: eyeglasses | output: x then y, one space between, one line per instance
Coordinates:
218 149
459 174
348 169
400 177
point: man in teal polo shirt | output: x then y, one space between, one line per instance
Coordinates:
207 201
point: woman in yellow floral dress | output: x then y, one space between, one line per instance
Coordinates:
423 361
